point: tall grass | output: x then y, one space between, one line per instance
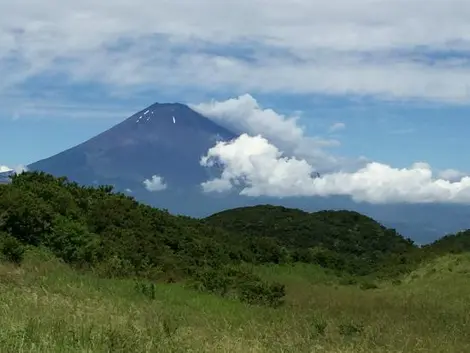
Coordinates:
47 307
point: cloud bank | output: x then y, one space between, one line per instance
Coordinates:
255 167
388 49
274 157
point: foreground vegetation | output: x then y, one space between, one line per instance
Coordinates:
87 270
48 307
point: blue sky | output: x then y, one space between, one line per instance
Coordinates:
398 84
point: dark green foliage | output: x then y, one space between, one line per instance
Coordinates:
115 236
340 240
11 249
71 241
451 243
24 215
233 282
256 292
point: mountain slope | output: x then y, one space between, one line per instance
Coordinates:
167 140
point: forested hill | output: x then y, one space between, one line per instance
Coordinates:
350 240
451 243
115 235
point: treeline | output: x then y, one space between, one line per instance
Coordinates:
93 228
344 241
452 243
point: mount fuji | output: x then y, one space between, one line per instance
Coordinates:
155 155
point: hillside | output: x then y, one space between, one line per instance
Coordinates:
115 235
450 243
343 240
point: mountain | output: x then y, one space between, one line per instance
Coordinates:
163 139
167 140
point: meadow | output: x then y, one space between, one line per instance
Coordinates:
48 306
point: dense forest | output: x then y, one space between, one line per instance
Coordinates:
96 229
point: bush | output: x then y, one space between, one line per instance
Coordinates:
116 267
271 294
11 248
243 284
72 242
214 281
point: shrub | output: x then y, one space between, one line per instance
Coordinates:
72 242
245 285
11 248
271 294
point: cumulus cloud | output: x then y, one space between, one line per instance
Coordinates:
337 126
254 167
4 168
352 47
245 114
155 184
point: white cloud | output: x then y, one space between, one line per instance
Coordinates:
255 167
155 184
352 47
337 126
20 168
17 169
245 114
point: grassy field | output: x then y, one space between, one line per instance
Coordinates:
47 307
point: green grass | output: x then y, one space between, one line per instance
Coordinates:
47 307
